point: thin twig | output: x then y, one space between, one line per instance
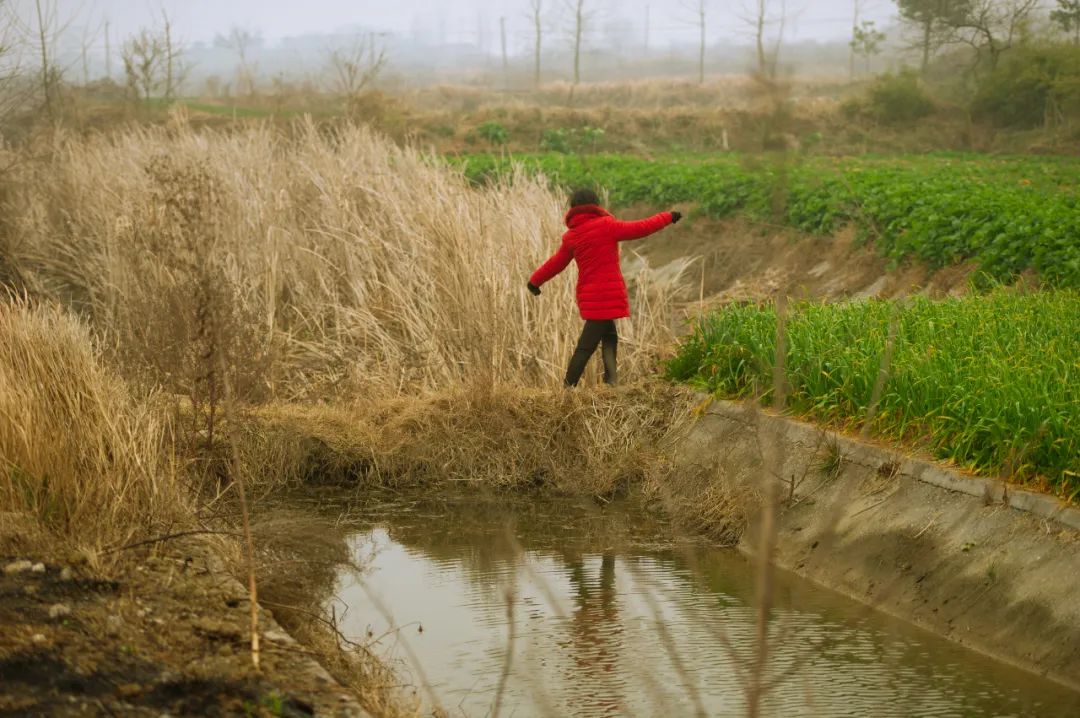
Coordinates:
511 636
668 642
171 537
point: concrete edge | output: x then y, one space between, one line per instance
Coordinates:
990 490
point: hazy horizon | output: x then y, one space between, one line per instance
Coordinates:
466 22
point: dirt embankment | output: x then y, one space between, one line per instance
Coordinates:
739 259
879 526
170 636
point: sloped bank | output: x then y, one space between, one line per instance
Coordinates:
973 560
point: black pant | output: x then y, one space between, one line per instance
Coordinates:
595 332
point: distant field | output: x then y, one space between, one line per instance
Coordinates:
244 112
1008 215
991 382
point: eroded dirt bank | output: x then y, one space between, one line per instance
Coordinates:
872 524
718 261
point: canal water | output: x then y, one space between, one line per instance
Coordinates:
565 608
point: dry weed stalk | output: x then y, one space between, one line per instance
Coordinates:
237 477
771 446
510 597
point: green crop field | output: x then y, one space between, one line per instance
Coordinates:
1008 215
991 382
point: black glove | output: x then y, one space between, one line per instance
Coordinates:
534 289
675 217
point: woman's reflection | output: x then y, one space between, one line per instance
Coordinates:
595 639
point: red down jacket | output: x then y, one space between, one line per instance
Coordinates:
592 240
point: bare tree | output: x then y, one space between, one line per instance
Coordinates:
176 69
241 41
108 50
41 29
700 16
992 26
536 15
12 91
153 62
47 31
88 36
581 17
145 58
856 15
357 65
760 21
502 43
759 16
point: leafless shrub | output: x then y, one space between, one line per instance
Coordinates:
357 65
153 63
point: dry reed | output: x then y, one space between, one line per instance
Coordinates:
77 451
339 263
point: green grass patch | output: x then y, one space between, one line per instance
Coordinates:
1008 215
990 382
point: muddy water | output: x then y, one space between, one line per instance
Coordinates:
585 611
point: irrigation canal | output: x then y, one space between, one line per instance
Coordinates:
611 615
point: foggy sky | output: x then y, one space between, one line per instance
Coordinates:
460 21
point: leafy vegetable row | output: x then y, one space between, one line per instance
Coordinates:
990 381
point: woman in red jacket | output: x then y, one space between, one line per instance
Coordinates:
592 240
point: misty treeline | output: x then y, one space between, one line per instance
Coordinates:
1015 61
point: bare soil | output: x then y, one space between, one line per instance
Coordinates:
739 259
164 634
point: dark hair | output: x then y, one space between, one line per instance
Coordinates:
583 196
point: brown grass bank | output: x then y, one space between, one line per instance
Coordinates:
116 494
594 442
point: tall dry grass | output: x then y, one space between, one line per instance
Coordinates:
318 263
78 453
